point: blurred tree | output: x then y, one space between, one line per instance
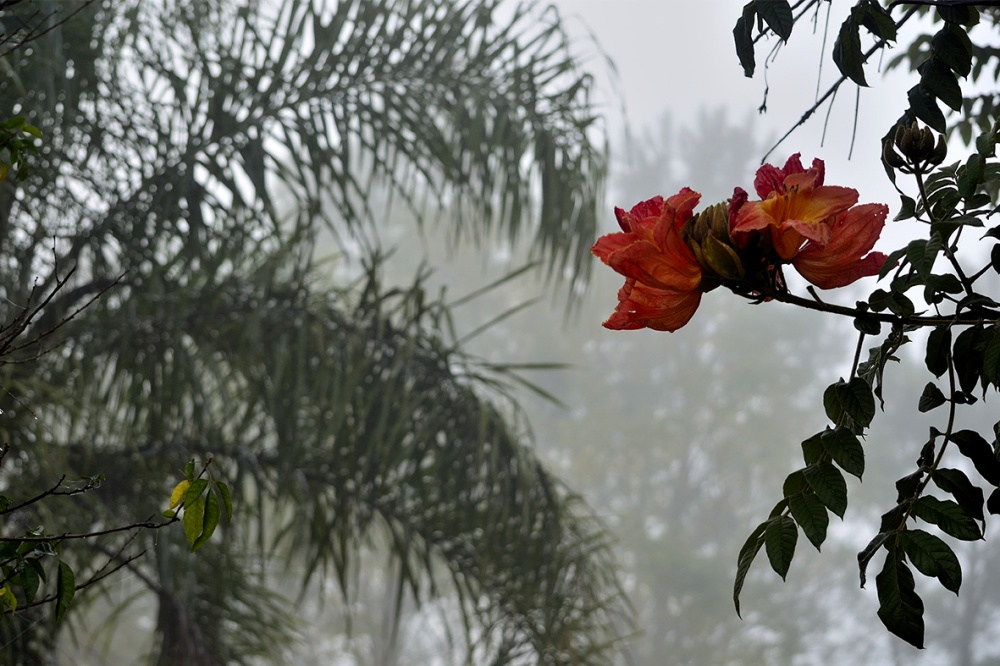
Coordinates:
205 148
680 440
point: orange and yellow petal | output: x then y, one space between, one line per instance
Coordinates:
846 257
795 216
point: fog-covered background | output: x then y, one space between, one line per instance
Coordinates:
678 442
681 441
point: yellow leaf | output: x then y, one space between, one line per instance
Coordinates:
8 598
178 494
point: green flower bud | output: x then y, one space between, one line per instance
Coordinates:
708 237
919 148
940 151
890 156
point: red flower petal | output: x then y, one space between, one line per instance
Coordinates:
662 274
640 213
640 306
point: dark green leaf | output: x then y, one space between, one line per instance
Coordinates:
811 515
194 521
878 21
873 369
867 324
947 283
37 567
891 261
968 496
194 492
993 503
779 508
938 349
795 483
968 356
953 223
941 82
866 555
847 52
907 208
995 257
189 470
744 41
878 300
944 202
853 399
211 521
227 500
932 557
931 397
922 254
780 538
829 485
892 520
952 45
924 106
900 304
812 449
975 448
778 16
951 518
991 355
958 13
27 577
900 609
747 554
974 169
845 449
65 589
926 459
906 487
976 301
986 146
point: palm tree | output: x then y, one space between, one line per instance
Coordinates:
204 148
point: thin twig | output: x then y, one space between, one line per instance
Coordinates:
833 89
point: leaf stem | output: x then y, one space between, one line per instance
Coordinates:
967 318
945 246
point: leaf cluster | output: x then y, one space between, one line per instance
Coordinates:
778 17
962 349
200 502
17 140
37 565
942 272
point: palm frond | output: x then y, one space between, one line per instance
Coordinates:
230 117
202 147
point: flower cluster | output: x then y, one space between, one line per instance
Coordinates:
670 256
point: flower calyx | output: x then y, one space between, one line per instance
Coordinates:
707 234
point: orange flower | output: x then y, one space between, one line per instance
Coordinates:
662 274
796 206
840 262
640 306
